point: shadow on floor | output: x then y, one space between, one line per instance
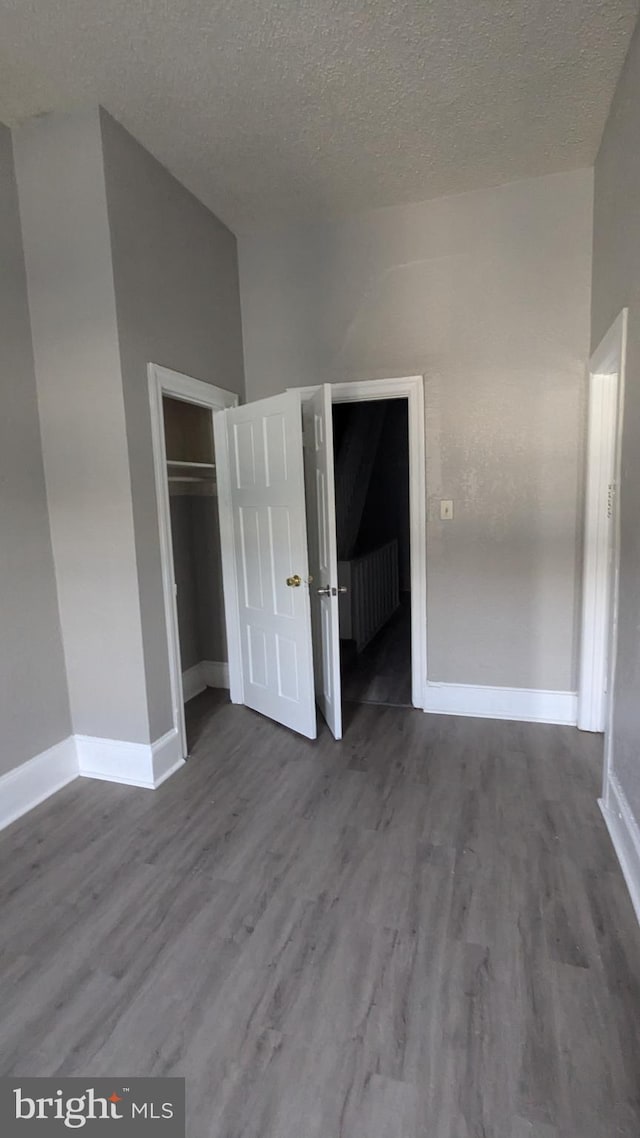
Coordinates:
200 711
382 672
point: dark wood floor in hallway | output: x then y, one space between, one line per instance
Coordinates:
382 672
421 932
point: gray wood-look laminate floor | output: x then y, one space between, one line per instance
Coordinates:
421 931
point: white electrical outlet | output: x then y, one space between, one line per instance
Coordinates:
446 509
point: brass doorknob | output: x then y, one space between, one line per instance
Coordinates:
294 581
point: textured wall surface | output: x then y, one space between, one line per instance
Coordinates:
34 705
270 111
67 250
616 284
175 272
486 294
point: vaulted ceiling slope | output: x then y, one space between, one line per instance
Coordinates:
274 110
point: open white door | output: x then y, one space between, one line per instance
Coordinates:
323 554
262 513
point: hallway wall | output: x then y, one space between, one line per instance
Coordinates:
386 510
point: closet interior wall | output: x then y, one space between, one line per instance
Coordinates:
195 533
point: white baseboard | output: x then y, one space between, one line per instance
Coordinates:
193 682
206 674
216 673
527 705
114 760
28 785
135 764
166 756
625 835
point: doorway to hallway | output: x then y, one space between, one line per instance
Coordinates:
371 456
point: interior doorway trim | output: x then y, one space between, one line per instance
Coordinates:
601 542
162 381
411 388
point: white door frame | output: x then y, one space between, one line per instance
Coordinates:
601 568
322 544
163 381
411 388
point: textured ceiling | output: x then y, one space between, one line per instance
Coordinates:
271 110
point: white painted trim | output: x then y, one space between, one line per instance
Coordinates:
594 643
614 342
114 760
600 568
166 757
191 390
156 392
26 786
134 764
215 673
163 381
625 835
228 558
193 682
526 705
611 350
206 674
162 775
411 388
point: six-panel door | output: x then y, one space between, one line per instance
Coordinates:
266 499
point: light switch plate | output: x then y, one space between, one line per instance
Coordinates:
446 509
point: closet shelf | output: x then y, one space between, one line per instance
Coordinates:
178 464
178 471
187 478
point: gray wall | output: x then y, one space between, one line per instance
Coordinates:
487 294
124 267
67 249
176 284
34 705
616 284
197 563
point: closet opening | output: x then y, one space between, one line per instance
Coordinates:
182 410
197 567
372 475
